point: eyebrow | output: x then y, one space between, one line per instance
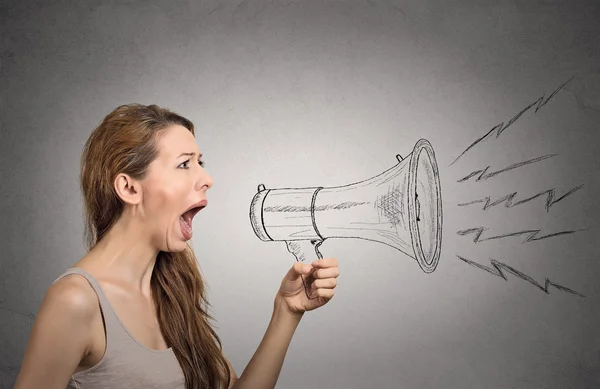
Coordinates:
189 154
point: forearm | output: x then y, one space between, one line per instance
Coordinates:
263 369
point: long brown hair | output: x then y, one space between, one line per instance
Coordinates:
125 142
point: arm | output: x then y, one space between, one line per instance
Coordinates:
264 367
60 336
290 304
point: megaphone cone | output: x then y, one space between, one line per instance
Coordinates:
401 207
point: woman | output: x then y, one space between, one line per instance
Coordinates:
132 312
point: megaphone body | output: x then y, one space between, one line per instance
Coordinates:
401 207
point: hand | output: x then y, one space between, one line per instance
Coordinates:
322 282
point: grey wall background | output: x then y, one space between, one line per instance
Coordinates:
307 93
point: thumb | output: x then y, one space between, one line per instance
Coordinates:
298 269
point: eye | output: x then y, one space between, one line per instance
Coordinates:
184 164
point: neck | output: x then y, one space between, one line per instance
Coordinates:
125 253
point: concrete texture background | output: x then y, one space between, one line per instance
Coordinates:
325 93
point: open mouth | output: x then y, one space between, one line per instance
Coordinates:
185 220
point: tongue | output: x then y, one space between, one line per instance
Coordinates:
186 229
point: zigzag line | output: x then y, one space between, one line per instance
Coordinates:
484 176
550 200
499 129
532 234
497 267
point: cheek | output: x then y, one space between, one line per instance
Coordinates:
165 198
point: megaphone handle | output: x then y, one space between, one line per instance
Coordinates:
301 250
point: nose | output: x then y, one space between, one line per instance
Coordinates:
204 180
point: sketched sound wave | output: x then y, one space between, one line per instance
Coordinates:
508 199
532 235
497 270
500 128
484 176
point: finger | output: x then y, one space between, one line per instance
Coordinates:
330 272
325 262
324 293
328 283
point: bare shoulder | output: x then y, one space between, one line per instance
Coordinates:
72 294
60 337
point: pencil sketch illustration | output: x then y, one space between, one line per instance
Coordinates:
498 268
400 207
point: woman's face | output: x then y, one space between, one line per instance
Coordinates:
175 182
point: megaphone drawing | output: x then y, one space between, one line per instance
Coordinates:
401 207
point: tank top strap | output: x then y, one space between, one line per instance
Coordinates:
111 320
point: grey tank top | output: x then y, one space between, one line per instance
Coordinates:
126 362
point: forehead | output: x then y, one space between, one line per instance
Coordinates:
175 140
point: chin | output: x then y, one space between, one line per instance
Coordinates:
177 248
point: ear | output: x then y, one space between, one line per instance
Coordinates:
128 189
